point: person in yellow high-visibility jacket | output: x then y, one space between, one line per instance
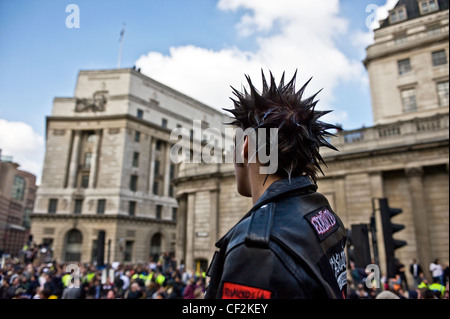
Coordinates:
160 279
424 284
66 280
436 286
149 278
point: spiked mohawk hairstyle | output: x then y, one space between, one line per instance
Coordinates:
300 133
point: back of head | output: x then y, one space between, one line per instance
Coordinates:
281 107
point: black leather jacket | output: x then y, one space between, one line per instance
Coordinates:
289 245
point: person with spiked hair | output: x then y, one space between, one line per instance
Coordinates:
291 244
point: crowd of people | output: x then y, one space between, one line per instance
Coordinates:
398 287
35 276
156 279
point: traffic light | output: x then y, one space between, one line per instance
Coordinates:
389 228
101 248
358 247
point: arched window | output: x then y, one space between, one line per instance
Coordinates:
74 241
155 246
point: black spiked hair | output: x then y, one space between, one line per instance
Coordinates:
300 133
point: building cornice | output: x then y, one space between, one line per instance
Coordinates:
381 50
106 217
110 117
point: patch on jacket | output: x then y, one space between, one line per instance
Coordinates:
323 221
236 291
333 266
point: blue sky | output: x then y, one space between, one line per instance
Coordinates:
184 44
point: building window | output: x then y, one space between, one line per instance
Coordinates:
442 91
171 177
155 188
164 123
74 245
137 136
174 213
18 189
158 211
87 160
90 137
439 58
131 208
101 204
140 113
133 182
26 222
78 206
427 6
404 66
397 15
52 205
135 159
85 181
156 168
409 100
158 145
128 253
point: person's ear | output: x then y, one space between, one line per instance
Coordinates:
244 150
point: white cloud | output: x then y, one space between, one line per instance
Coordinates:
289 34
382 13
19 140
375 14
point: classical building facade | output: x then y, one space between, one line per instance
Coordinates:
108 165
107 168
17 195
404 157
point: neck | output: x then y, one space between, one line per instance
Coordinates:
258 186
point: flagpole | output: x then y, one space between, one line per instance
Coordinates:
120 46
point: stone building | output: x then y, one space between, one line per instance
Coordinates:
107 162
107 168
403 157
17 195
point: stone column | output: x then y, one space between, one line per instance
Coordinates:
94 160
180 250
420 216
213 218
74 159
190 231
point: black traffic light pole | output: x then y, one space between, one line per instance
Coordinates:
389 229
373 230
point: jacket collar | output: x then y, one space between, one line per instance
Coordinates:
282 187
279 188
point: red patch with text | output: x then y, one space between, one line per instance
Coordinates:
236 291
